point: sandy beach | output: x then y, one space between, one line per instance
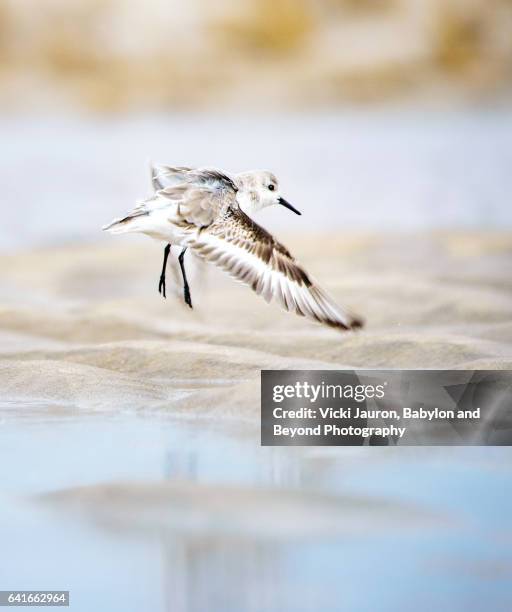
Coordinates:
85 327
430 300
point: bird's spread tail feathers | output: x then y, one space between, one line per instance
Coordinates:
131 223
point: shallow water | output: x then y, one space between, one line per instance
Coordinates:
294 529
63 178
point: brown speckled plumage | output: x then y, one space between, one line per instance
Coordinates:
204 206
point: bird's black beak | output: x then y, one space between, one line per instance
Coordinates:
287 205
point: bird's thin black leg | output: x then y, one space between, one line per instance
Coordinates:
186 290
161 284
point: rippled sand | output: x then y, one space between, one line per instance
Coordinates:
439 300
85 325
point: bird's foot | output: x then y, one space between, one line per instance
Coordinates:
186 295
161 286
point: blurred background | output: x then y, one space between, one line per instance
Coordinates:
131 470
374 113
161 55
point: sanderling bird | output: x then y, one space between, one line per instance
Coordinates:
205 210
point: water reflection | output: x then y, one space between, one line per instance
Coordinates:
219 575
166 515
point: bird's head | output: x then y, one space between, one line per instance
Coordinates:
259 189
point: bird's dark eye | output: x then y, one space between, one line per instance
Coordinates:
271 187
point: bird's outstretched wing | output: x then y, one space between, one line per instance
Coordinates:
166 176
201 197
195 199
238 245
